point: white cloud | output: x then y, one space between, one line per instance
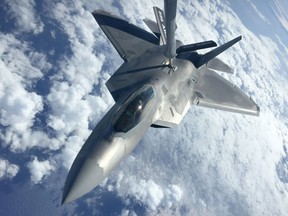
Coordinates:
7 170
71 88
71 148
25 14
78 75
19 107
21 61
39 169
214 163
279 7
204 168
21 67
126 212
151 194
258 12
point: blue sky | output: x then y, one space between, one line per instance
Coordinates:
54 62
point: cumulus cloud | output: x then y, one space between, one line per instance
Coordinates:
21 68
79 74
7 170
126 212
39 169
212 164
151 194
25 15
17 105
72 87
148 192
182 152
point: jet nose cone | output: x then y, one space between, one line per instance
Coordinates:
84 175
92 164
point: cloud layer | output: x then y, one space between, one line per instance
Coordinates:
39 169
25 15
214 163
7 170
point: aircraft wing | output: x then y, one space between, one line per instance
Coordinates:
213 91
217 64
128 39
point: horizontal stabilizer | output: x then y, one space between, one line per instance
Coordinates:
217 64
213 91
128 39
196 46
215 52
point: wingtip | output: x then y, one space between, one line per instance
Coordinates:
64 200
101 12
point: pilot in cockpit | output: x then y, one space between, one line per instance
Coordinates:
131 114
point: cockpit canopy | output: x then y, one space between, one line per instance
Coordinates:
133 110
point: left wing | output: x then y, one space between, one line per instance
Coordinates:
213 91
128 39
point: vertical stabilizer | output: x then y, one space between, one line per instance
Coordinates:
160 18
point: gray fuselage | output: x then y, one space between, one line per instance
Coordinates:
106 146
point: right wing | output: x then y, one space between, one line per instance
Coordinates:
128 39
213 91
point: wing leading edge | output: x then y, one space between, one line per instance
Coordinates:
213 91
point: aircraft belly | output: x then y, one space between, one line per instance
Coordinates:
170 117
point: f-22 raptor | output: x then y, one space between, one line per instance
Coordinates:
155 86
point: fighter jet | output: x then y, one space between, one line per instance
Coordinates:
155 86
